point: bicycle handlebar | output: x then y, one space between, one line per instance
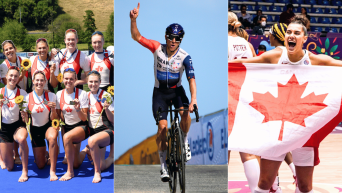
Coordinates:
176 110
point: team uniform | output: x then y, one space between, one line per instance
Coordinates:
38 64
95 108
105 66
304 156
5 66
40 114
168 76
238 48
11 119
71 118
76 60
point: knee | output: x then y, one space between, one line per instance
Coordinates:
92 142
51 138
67 138
185 116
162 128
40 165
21 139
303 187
264 183
9 168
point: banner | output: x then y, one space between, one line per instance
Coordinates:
274 109
315 44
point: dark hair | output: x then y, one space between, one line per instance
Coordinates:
262 47
263 16
289 6
279 31
306 11
258 11
243 5
300 19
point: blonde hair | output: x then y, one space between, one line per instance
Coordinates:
233 22
242 33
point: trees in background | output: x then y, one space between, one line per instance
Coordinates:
89 27
109 35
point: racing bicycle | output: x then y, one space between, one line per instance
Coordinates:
176 155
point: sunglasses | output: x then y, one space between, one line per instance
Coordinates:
171 36
14 67
97 32
41 39
69 69
93 72
70 30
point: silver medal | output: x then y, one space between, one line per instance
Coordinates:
45 102
5 101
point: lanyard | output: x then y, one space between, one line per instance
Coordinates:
64 55
16 62
104 53
43 63
6 92
38 97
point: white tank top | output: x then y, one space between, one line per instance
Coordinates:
238 48
284 58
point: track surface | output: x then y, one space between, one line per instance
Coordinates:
146 178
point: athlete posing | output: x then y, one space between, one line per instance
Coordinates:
72 105
169 63
41 62
304 158
101 126
43 109
12 126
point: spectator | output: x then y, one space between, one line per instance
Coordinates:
244 17
256 19
305 13
260 29
229 8
287 15
261 49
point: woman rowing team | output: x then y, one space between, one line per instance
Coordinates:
37 114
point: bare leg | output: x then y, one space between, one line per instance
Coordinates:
6 151
185 121
20 136
268 172
16 154
2 163
65 156
100 139
304 177
51 136
39 156
76 135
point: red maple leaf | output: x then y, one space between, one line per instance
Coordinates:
10 104
39 109
99 68
68 109
92 111
289 106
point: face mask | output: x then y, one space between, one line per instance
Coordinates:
263 23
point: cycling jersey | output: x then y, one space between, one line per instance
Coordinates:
168 74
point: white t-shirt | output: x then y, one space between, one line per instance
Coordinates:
94 110
101 67
10 112
4 69
84 61
69 111
41 65
238 48
40 113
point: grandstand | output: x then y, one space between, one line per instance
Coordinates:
326 15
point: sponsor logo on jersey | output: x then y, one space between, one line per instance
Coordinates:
306 62
285 62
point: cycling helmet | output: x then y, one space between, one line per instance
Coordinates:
175 29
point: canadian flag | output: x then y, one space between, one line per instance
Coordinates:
273 109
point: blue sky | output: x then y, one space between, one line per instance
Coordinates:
206 37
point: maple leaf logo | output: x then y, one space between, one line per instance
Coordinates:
68 109
10 104
92 111
39 109
289 106
99 68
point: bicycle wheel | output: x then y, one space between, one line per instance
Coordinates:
171 163
181 160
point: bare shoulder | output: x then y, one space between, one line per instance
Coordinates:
273 55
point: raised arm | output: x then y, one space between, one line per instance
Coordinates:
134 29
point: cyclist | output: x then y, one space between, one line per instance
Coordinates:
169 63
